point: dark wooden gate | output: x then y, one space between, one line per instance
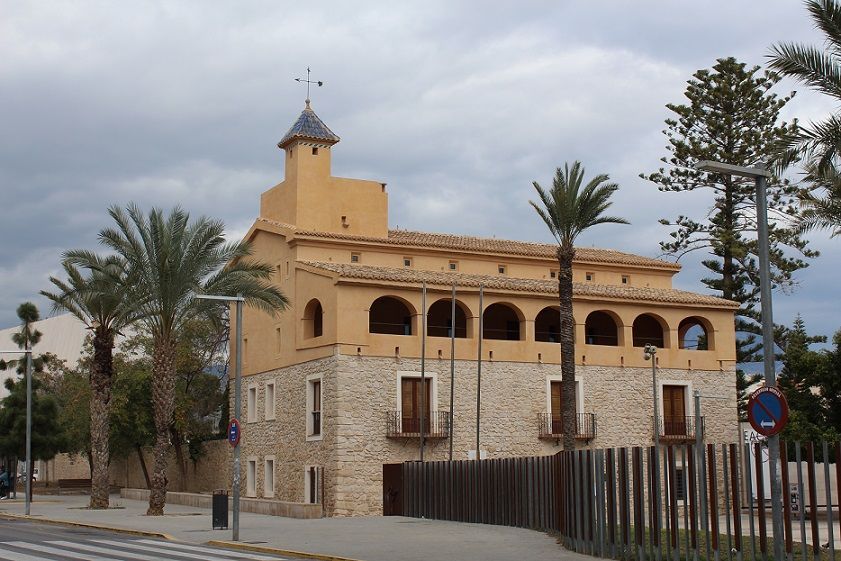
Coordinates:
392 487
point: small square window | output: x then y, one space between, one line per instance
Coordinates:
501 269
626 279
589 276
407 261
315 151
453 265
354 258
553 274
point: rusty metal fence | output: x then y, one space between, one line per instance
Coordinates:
507 491
708 503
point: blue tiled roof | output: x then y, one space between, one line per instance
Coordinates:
308 126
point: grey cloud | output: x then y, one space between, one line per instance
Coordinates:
458 106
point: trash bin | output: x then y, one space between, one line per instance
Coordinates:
220 509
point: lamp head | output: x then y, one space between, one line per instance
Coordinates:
649 351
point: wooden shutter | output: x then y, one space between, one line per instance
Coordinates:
556 412
674 410
316 395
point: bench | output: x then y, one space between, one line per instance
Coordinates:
74 484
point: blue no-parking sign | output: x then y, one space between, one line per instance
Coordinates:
233 433
767 411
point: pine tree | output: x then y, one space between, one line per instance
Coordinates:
731 116
47 437
800 380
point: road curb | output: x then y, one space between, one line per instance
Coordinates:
56 522
277 551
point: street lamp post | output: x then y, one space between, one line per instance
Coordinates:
650 353
28 484
237 401
760 175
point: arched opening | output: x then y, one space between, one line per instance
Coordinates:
547 325
648 331
694 334
600 329
439 320
390 316
313 319
501 321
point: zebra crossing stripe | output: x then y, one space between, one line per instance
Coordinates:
226 553
18 556
106 550
55 551
207 555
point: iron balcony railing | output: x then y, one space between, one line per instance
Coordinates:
553 427
316 423
436 425
678 428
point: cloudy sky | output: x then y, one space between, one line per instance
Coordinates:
457 106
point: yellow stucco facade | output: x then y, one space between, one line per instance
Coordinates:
355 293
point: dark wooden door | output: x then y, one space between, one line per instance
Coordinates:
674 410
411 400
392 485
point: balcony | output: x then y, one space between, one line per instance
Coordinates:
437 425
678 429
553 428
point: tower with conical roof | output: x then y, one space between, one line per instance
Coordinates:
310 197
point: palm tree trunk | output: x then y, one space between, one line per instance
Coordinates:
100 380
163 400
565 257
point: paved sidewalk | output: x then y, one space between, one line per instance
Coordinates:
370 538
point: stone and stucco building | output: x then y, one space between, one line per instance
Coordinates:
331 386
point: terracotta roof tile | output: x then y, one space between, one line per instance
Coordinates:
415 276
408 238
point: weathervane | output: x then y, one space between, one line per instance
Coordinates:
308 82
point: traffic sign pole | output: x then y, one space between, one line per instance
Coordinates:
237 415
768 356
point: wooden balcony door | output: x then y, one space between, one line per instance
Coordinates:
556 412
674 410
411 401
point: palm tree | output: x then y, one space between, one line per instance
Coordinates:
99 302
822 211
169 262
568 210
819 68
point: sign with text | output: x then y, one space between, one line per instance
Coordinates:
767 411
233 433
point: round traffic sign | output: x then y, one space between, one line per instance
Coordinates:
768 411
233 433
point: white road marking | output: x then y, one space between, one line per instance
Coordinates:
106 551
225 552
18 556
56 551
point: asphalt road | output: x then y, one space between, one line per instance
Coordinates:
27 541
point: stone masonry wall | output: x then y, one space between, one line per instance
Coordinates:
513 395
285 437
211 471
359 392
